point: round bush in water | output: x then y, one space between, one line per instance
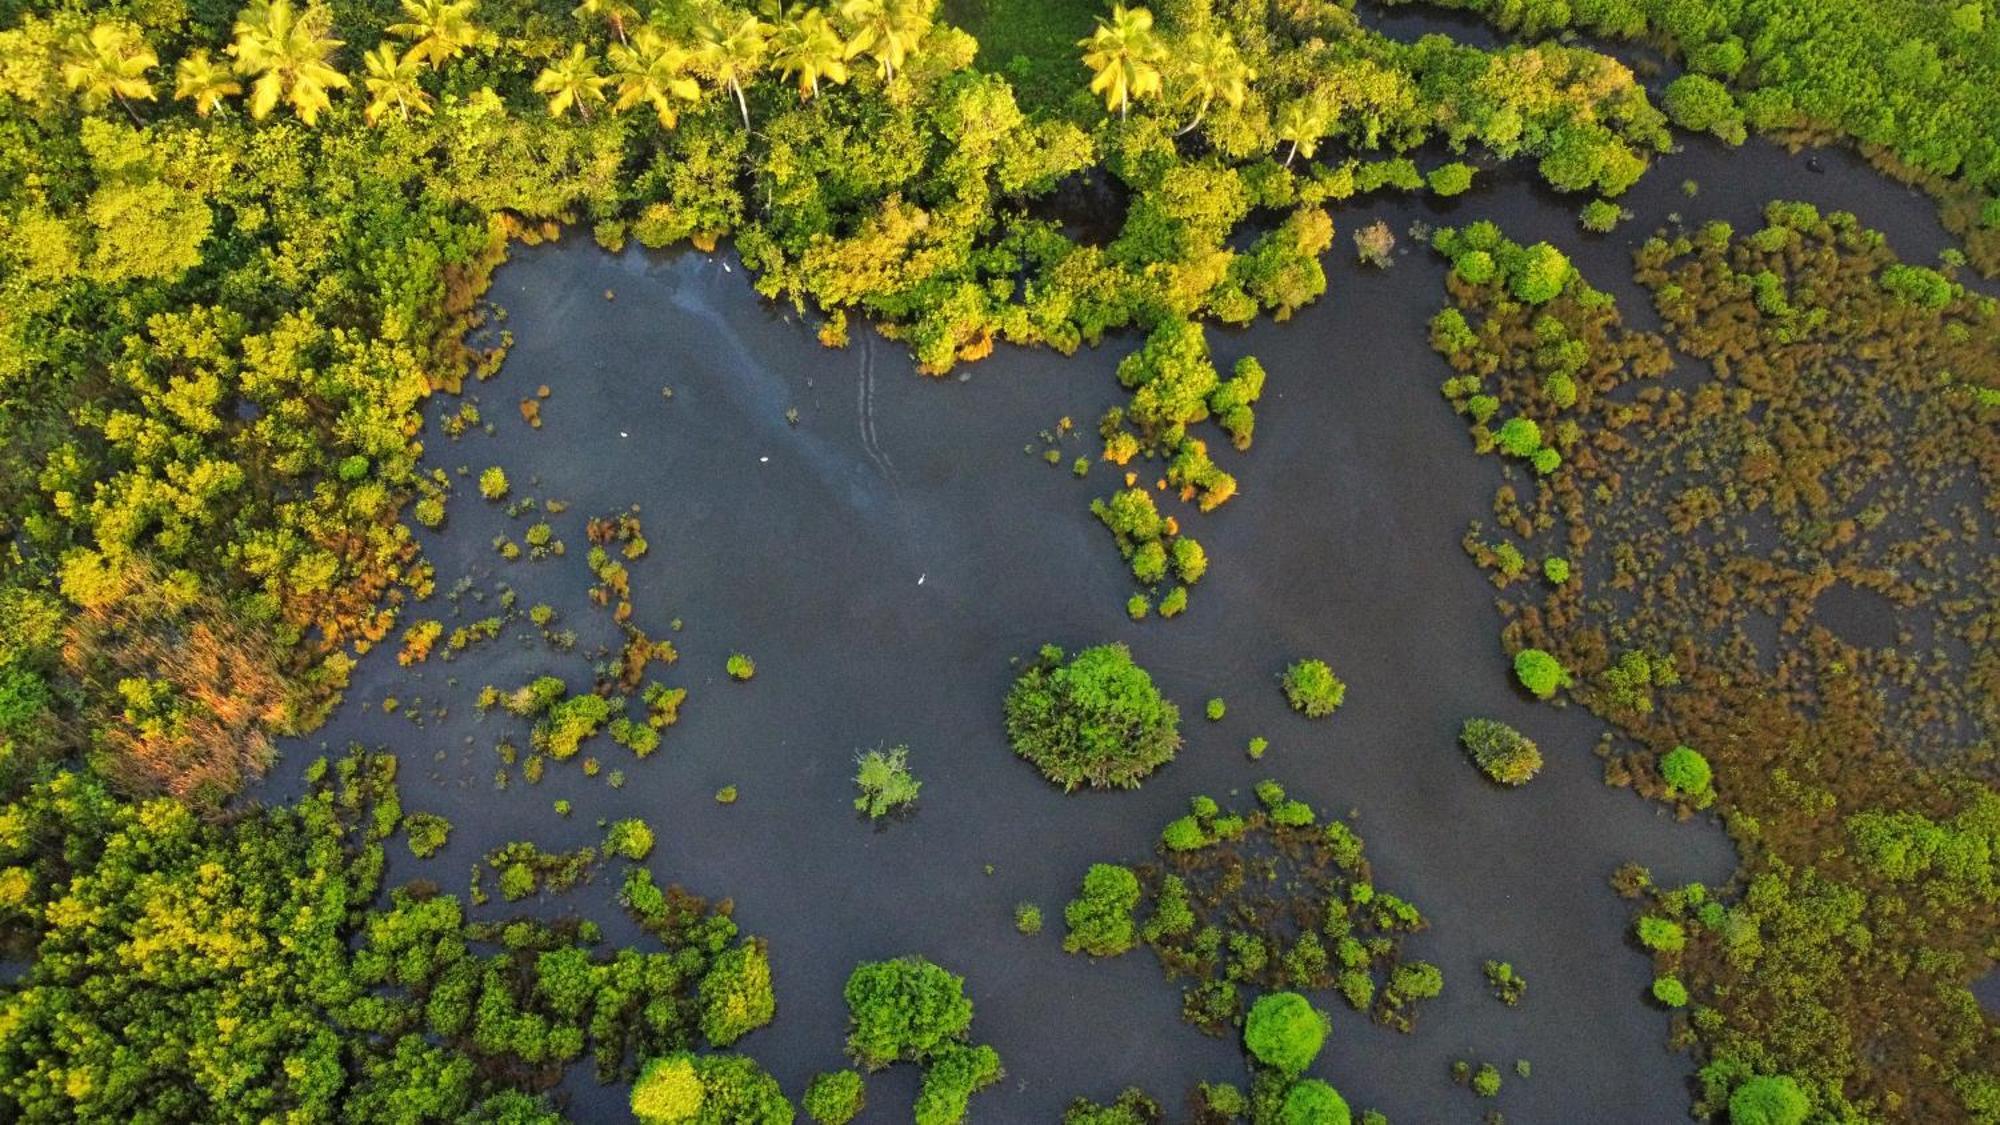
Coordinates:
1285 1032
1768 1100
1313 1102
1096 720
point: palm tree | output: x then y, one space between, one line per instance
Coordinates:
1208 63
1302 122
572 81
1125 57
808 46
732 55
109 63
886 30
289 54
392 84
652 69
204 81
438 30
617 13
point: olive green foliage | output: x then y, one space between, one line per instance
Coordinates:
907 1009
835 1097
1312 689
708 1090
1028 919
1285 1032
1096 720
885 782
370 1013
1501 752
740 667
629 838
1100 916
427 833
736 996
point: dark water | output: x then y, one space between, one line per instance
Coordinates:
804 546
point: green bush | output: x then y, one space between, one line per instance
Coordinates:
708 1090
835 1097
1670 991
1663 935
1769 1100
1501 752
953 1076
1450 179
1486 1081
1028 919
1539 672
667 1091
1184 834
1285 1032
1476 267
1600 216
1686 773
629 838
1537 275
1097 720
736 995
1312 1102
1556 569
493 483
740 667
1215 710
905 1009
1100 917
1313 690
886 785
1520 436
427 832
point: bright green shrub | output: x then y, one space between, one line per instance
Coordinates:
905 1009
1539 672
1312 689
1285 1032
1100 917
1097 720
835 1097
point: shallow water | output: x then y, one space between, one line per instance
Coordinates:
886 557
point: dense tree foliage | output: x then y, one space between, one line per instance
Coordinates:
1094 720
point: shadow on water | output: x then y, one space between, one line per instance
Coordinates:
885 558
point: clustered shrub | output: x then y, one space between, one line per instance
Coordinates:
904 1010
426 832
1100 917
1501 752
835 1097
629 838
1096 720
1312 689
687 1089
736 995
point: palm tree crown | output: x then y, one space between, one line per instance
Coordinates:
109 63
1125 57
392 83
438 31
203 81
572 81
886 30
732 54
1210 68
808 46
617 13
653 69
289 53
1302 122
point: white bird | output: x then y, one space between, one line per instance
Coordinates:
921 577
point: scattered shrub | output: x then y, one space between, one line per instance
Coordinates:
740 667
886 785
1313 690
1216 709
1501 752
1028 919
629 838
493 483
1450 179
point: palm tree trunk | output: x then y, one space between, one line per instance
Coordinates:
1293 155
127 107
741 104
1198 115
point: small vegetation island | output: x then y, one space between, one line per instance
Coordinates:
486 633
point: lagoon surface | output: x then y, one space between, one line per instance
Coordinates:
887 556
